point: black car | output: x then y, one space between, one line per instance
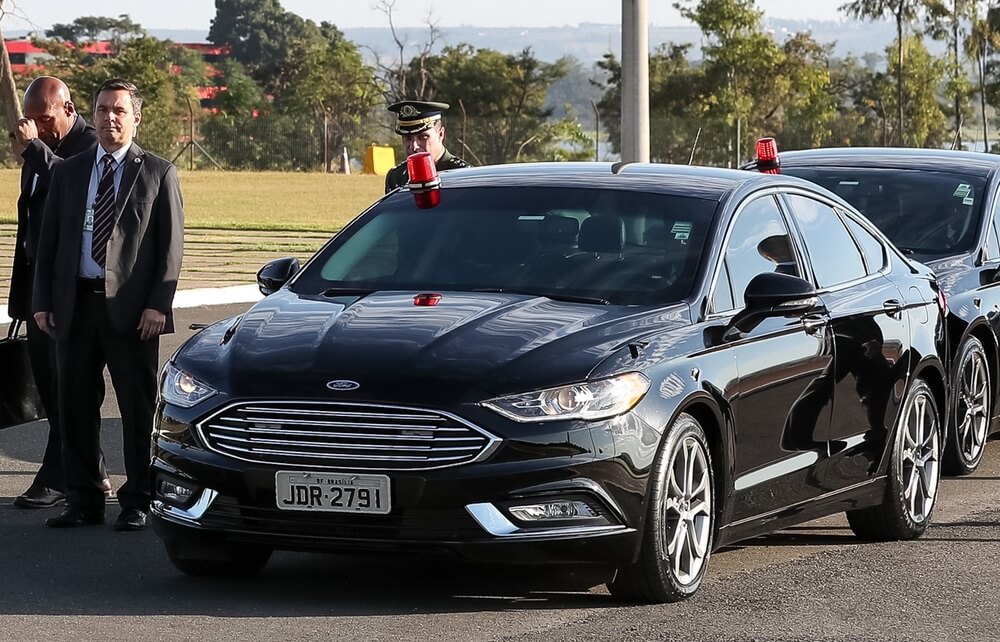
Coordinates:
626 365
939 207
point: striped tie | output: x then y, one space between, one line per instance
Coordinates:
104 211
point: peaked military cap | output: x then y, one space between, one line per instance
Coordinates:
415 116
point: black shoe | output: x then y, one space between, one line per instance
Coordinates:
131 519
39 497
73 517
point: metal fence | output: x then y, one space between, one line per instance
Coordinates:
287 143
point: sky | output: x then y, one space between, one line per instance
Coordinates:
20 15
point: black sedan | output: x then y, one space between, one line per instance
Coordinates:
939 207
626 365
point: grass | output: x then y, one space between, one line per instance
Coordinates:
254 200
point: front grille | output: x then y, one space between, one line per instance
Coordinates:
344 436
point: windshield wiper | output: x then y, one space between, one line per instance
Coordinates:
567 298
348 292
907 250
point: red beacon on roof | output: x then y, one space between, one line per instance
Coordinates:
425 185
767 156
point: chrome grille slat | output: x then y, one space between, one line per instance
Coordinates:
335 456
340 424
345 436
365 415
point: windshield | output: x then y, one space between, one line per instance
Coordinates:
922 212
602 246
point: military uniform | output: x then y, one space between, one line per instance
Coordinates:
413 117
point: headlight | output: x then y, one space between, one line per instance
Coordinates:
589 400
181 389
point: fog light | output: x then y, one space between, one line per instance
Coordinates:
553 510
174 491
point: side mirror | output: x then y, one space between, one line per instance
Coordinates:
275 274
772 294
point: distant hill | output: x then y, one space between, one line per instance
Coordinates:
589 42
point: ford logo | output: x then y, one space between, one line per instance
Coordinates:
342 384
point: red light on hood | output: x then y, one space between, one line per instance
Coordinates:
767 156
425 185
427 299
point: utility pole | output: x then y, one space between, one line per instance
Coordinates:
10 106
635 81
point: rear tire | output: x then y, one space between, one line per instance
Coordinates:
971 411
680 521
212 560
914 473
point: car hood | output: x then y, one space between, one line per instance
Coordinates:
495 343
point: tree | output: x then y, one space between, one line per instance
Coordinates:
903 12
404 79
741 64
983 40
504 94
10 104
948 21
152 65
92 28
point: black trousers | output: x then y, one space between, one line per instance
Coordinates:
42 352
92 345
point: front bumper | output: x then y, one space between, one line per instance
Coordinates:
460 511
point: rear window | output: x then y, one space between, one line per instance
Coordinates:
625 247
922 212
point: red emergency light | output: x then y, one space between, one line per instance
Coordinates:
427 299
767 156
425 185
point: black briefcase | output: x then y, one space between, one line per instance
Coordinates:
19 400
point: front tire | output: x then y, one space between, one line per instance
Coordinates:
680 521
972 408
914 473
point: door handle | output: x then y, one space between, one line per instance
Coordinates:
893 307
813 325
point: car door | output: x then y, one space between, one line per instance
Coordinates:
780 402
870 335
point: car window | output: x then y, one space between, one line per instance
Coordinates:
722 299
992 243
834 256
871 247
758 243
624 246
922 212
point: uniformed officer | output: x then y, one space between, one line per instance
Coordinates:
419 123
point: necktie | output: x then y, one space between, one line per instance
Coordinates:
104 211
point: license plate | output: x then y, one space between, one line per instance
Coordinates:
332 492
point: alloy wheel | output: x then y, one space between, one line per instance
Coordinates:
971 406
687 511
921 456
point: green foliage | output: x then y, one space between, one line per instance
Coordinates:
505 92
92 28
154 66
923 114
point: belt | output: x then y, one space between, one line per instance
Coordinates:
90 285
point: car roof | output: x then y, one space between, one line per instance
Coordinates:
945 160
688 180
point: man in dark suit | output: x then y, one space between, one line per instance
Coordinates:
108 262
419 123
50 131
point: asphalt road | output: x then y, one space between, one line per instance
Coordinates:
814 582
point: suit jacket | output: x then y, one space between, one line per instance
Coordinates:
38 160
144 251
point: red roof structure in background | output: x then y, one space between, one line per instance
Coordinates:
25 57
